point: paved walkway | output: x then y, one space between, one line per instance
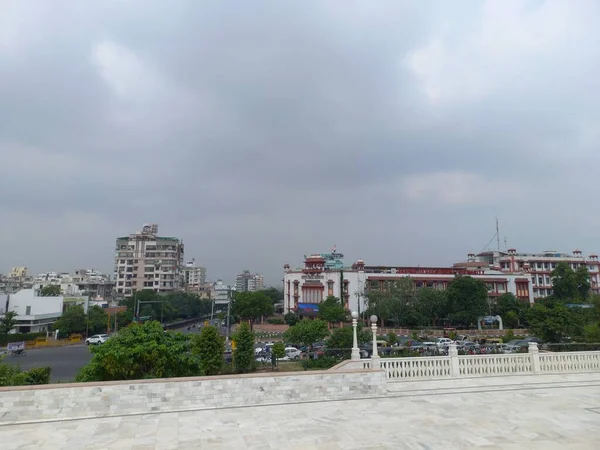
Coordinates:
511 413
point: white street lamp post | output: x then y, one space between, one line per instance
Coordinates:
375 364
355 350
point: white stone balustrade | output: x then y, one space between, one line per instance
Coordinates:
464 366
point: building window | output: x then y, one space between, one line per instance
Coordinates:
28 310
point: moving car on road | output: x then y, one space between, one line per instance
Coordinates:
97 339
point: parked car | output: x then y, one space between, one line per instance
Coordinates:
443 342
97 339
292 353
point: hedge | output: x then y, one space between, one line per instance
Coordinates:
19 337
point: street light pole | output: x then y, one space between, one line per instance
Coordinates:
375 363
228 313
355 350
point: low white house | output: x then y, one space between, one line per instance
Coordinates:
36 313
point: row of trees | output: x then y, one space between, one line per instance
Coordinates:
147 351
465 300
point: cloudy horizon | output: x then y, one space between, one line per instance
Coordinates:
261 131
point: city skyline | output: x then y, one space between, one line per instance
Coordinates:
397 130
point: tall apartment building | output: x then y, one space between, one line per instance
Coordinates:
539 266
193 276
249 282
145 260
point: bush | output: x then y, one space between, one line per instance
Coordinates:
291 319
243 355
509 336
278 350
209 345
39 375
140 352
324 362
276 321
392 338
19 337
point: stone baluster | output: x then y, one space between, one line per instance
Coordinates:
534 351
453 354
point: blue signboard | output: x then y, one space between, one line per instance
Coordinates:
313 307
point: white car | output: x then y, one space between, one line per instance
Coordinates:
97 339
444 342
292 353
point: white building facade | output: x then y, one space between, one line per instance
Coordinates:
193 275
36 314
325 275
539 266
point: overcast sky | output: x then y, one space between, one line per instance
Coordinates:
259 131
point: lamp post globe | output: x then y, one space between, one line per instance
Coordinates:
373 318
354 315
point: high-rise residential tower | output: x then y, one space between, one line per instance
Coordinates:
144 260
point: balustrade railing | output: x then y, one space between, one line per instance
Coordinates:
570 362
453 365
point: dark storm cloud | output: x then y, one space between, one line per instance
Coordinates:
260 131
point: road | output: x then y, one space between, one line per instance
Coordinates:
64 361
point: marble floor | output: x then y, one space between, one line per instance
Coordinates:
512 413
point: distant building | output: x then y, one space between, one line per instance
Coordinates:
35 313
18 272
193 276
325 275
249 282
145 260
538 266
83 282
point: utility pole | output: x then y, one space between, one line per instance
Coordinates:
228 313
497 234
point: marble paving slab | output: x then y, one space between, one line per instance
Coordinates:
561 413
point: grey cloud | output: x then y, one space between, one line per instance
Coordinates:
271 129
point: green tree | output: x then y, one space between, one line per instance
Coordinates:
291 318
124 318
307 332
8 322
396 301
507 304
341 340
71 321
243 355
209 345
278 350
582 281
51 290
511 319
432 304
564 282
251 306
554 324
141 351
331 310
275 294
592 333
97 320
467 300
11 375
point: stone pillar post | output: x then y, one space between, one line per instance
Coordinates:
453 354
355 350
535 357
375 363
